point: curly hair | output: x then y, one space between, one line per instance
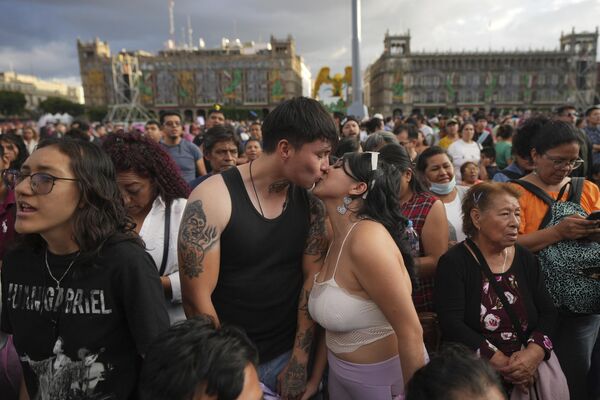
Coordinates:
102 217
136 152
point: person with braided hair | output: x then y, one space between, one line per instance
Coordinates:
155 196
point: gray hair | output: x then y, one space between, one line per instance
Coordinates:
378 139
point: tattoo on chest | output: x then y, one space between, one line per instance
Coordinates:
278 186
196 237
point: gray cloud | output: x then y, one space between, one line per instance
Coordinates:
39 36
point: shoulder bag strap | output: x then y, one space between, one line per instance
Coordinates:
540 194
165 256
486 270
576 189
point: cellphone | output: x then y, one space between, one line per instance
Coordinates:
594 216
592 272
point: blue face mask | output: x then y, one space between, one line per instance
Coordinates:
443 188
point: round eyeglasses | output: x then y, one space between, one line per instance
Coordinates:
40 182
560 163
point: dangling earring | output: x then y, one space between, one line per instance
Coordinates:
344 208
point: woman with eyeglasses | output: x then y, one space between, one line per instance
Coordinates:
554 149
362 295
155 197
80 278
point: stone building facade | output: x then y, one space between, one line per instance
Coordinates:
236 75
401 81
37 90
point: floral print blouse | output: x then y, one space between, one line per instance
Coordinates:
496 325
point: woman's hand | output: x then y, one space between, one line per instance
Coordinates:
576 227
312 388
523 365
499 360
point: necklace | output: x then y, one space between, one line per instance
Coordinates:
58 281
254 188
505 258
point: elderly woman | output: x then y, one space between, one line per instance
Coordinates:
469 306
554 149
436 170
361 296
377 140
155 197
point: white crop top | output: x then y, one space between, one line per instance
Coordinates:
350 320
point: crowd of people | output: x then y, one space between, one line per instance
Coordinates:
305 256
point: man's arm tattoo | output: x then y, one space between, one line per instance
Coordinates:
195 239
316 243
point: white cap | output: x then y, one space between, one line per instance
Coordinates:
378 115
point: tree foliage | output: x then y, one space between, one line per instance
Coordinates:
12 103
54 105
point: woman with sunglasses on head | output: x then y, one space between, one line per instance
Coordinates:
153 193
80 277
554 149
361 296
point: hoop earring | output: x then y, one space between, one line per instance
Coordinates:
343 209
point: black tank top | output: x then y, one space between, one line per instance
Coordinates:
260 274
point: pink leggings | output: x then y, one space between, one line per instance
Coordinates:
379 381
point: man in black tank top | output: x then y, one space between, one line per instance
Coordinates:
253 236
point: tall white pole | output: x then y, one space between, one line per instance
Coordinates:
357 108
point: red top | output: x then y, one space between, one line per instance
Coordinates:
416 209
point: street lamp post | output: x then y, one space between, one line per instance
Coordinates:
357 108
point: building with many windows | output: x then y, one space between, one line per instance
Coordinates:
401 80
246 76
37 90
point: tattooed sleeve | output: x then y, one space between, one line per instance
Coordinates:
196 237
316 243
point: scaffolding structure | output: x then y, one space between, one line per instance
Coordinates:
126 107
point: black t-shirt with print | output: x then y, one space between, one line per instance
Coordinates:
84 340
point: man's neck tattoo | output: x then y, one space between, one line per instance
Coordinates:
278 186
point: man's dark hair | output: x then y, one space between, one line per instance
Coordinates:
453 374
505 131
591 109
347 145
479 116
299 121
169 114
215 110
219 133
561 109
78 134
411 129
153 122
373 125
195 354
488 152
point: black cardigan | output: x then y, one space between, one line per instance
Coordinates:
457 295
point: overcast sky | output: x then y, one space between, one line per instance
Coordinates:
39 36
